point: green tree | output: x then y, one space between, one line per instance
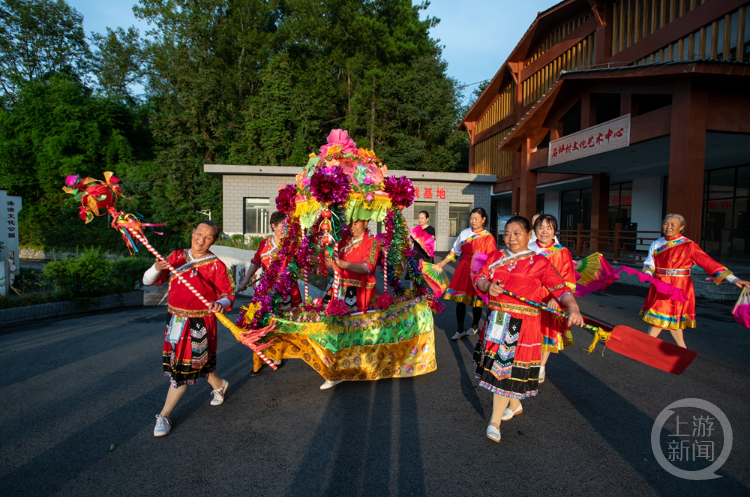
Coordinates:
118 62
37 38
58 127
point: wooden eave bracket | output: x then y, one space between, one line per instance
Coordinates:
596 6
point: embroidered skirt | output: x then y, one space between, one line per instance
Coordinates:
461 288
509 354
663 312
193 356
555 332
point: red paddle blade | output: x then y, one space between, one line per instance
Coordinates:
644 348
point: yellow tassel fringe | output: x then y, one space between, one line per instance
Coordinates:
600 336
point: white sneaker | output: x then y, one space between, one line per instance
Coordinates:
471 331
493 433
163 426
219 394
328 384
508 414
458 335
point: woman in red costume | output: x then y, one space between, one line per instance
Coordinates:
262 259
461 289
189 347
264 255
555 334
508 356
670 259
358 256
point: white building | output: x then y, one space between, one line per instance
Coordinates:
250 194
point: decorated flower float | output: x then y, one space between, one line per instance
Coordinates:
394 338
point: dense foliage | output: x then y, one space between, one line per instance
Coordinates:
227 81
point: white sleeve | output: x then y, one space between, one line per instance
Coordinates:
457 245
648 264
150 276
731 278
225 302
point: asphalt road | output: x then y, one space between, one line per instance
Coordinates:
76 386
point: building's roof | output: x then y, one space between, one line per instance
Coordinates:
518 54
546 100
241 170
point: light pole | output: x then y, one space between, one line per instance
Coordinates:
205 213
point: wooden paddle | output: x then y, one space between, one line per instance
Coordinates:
644 348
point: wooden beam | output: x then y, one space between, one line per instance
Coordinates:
526 184
560 48
599 209
687 155
496 128
727 112
651 125
677 29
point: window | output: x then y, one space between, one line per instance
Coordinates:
607 107
256 216
540 202
576 208
458 218
726 226
500 207
571 123
431 208
620 205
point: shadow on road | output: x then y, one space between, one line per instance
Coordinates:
350 451
50 471
617 420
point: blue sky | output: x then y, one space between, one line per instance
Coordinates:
477 35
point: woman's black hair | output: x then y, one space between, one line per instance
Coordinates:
210 224
520 220
481 212
426 214
276 218
552 220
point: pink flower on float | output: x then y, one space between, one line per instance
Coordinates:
368 180
369 197
339 137
71 180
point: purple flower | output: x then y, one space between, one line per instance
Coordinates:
400 190
330 185
285 201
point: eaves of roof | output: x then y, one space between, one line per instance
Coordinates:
546 100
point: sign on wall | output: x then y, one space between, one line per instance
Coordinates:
597 139
429 192
10 206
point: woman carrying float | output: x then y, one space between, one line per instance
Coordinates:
508 356
461 290
357 262
262 260
670 259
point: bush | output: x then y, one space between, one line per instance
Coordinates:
127 273
241 242
28 280
92 275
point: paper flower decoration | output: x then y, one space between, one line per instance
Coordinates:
400 190
329 185
338 141
285 202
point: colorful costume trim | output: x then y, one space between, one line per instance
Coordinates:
395 343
